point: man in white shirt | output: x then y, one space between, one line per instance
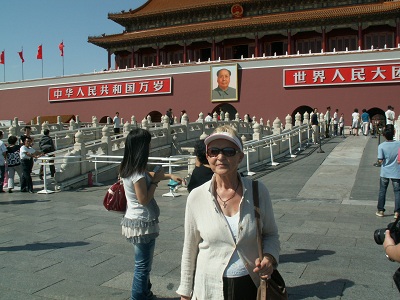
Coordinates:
390 117
327 121
208 118
117 123
3 153
335 122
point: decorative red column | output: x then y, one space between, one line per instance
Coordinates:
397 33
184 53
158 55
213 49
256 46
360 37
116 61
323 39
133 58
289 43
109 59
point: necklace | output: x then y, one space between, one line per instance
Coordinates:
225 201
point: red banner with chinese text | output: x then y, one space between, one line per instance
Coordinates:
342 75
126 88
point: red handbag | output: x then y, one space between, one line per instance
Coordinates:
115 198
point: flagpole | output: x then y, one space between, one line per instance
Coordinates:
63 64
22 51
4 64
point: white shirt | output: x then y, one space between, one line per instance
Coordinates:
209 244
335 120
24 150
2 150
208 118
389 116
117 122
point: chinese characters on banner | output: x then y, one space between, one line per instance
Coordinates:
342 75
143 87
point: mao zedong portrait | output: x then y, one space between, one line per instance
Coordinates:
224 91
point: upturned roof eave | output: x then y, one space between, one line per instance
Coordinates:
266 22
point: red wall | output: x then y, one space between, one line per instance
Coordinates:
261 93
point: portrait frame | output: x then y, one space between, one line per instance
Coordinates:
217 94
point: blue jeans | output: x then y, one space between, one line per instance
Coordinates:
384 182
141 286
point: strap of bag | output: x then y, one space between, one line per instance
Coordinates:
257 215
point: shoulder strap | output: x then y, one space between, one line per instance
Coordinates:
257 215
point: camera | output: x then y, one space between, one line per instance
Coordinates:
379 234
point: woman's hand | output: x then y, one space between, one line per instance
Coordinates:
176 178
264 268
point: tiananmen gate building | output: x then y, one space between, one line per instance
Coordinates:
283 57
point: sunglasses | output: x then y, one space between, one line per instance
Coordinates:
227 151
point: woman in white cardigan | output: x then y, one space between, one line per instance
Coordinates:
220 258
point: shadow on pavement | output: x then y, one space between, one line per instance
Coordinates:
43 246
12 202
320 290
307 255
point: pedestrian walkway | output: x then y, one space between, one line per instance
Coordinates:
66 246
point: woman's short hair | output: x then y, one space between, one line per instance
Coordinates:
230 131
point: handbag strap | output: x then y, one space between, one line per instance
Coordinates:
257 215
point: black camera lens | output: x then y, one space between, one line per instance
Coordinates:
379 236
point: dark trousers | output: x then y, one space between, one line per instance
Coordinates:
239 288
26 180
2 173
52 169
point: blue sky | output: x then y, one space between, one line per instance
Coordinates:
29 23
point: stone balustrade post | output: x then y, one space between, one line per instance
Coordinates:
297 119
277 126
77 121
45 126
268 128
127 128
106 139
72 125
145 124
167 126
59 123
226 117
12 131
221 115
256 131
80 149
133 121
215 116
185 119
306 118
95 122
237 117
17 126
288 122
246 118
201 117
109 121
148 119
38 120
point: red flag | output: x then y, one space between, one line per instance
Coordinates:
39 52
2 61
21 55
61 47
